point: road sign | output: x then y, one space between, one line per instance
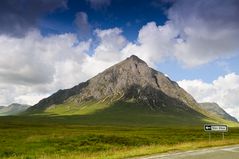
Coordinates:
215 128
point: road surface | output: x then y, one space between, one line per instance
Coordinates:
227 152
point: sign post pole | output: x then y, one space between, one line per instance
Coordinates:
215 128
209 137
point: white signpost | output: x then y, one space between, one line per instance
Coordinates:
215 128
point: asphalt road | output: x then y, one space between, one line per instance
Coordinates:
227 152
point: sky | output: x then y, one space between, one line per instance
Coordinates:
47 45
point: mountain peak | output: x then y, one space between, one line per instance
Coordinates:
129 79
134 58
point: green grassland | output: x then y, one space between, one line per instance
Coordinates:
98 130
45 137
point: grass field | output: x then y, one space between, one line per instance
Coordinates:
98 130
49 137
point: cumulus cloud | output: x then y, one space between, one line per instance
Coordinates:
223 91
154 43
35 66
99 4
107 52
196 33
19 16
207 30
111 43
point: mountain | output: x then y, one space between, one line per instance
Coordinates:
215 109
13 109
123 92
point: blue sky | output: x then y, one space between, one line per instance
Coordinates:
193 42
127 15
130 16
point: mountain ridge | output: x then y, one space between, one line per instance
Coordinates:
13 109
214 108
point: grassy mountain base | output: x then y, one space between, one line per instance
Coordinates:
122 113
51 137
129 113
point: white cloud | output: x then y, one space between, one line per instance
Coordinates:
195 33
111 43
207 30
223 91
35 66
154 43
107 52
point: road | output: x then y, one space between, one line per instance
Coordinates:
227 152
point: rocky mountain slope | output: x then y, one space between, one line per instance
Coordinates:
215 109
13 109
130 80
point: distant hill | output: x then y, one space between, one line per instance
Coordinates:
214 108
13 109
129 91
